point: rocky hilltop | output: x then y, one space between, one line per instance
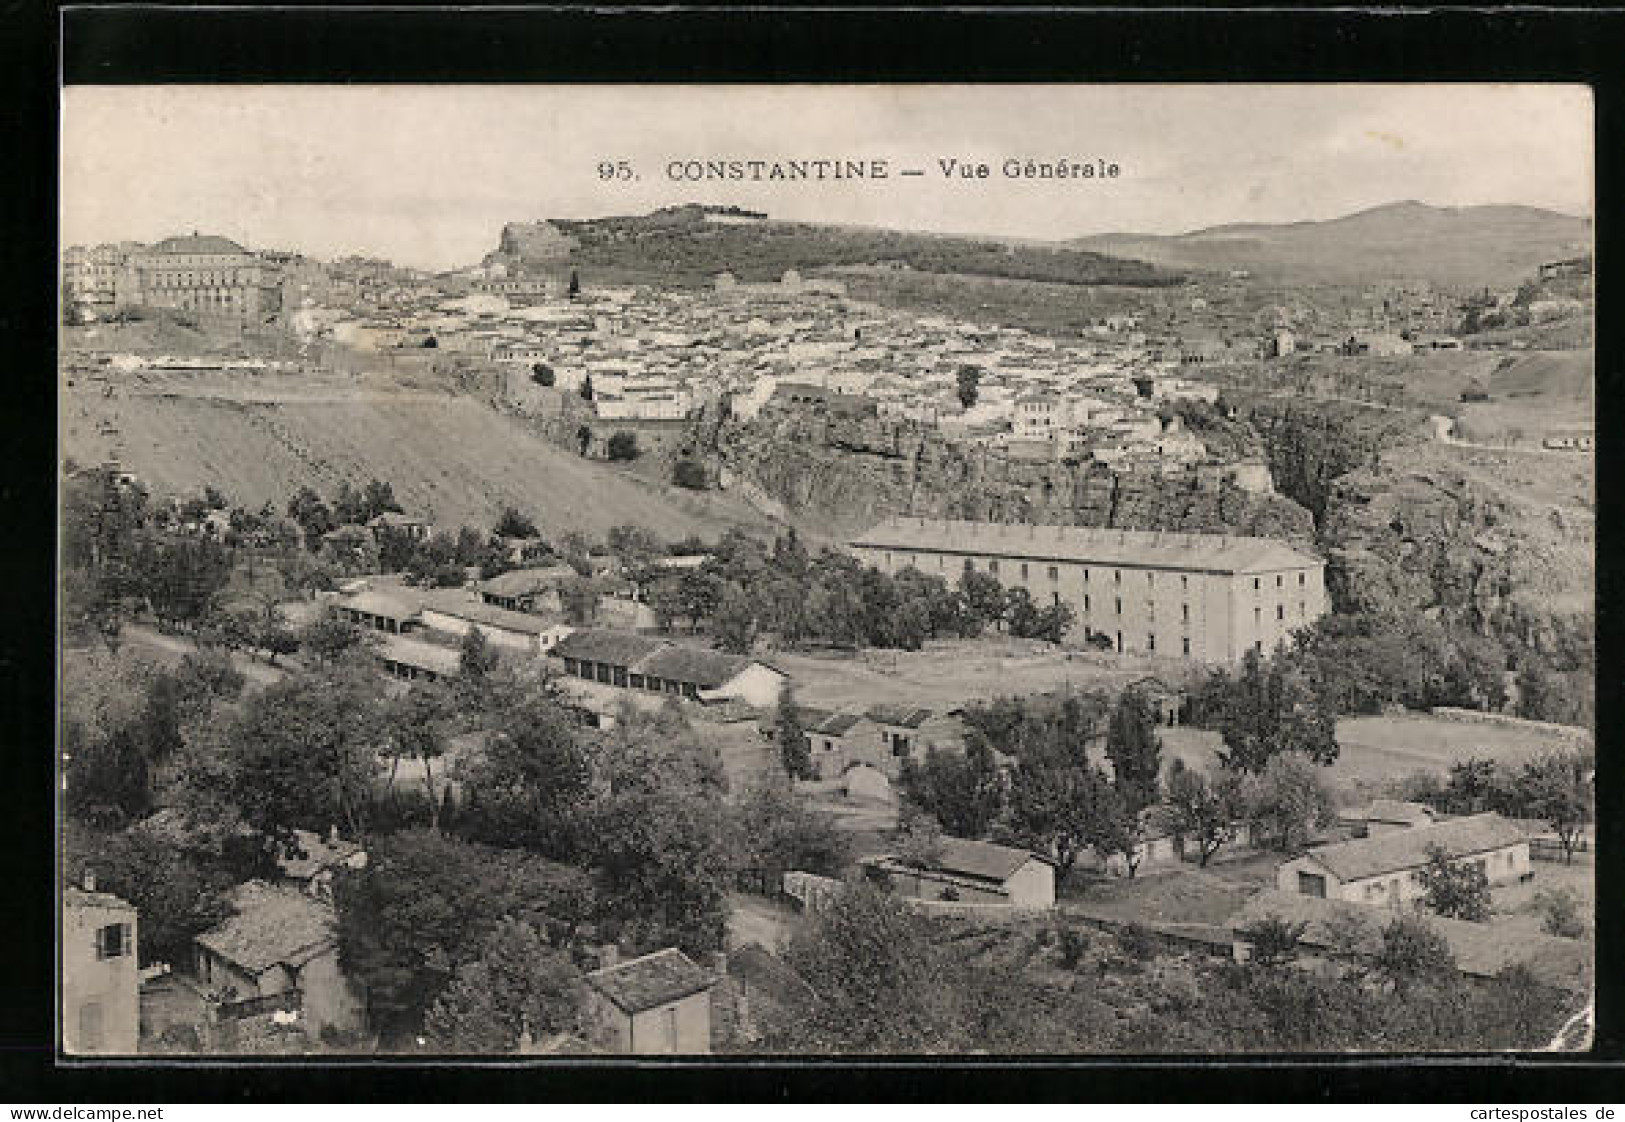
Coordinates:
842 475
527 243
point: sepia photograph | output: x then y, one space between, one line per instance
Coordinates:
604 571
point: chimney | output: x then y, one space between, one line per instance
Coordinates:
89 880
332 835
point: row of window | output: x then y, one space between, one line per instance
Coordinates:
1054 573
1150 641
618 676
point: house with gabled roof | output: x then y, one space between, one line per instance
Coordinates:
659 1004
1385 868
628 660
971 872
279 950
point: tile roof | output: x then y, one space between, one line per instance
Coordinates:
1480 949
838 724
651 981
197 243
527 582
380 604
273 925
1213 553
708 669
982 860
1408 849
899 716
415 652
1391 811
453 602
617 648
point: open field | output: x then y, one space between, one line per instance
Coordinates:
1376 749
450 459
951 673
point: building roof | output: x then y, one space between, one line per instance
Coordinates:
197 243
415 652
649 982
1391 811
616 648
273 925
1408 849
1480 949
982 860
73 897
1213 553
456 603
395 518
380 604
526 582
899 716
707 669
837 724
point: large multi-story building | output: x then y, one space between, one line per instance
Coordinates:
1206 597
90 276
205 275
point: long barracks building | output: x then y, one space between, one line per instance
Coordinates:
1200 596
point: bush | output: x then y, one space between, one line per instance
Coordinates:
1074 944
623 445
690 474
1560 913
1137 942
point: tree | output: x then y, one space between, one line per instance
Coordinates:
512 524
1267 710
636 547
985 598
177 896
963 791
690 474
1053 809
1134 750
1412 952
734 620
313 516
304 752
579 597
586 395
919 838
575 284
517 986
529 784
330 637
414 729
1199 809
795 753
476 659
106 778
542 374
1455 889
623 445
779 832
1560 913
1274 940
1286 802
424 906
969 381
659 836
1557 788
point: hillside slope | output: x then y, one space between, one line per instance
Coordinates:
451 459
1483 245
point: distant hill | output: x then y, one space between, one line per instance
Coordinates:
1464 246
692 244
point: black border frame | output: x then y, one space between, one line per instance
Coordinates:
128 44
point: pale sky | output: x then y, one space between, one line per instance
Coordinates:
427 175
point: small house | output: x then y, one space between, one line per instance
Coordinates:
1383 816
972 872
279 951
659 1004
1385 868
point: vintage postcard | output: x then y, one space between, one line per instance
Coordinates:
727 570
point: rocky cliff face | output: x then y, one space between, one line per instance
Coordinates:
845 474
524 242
